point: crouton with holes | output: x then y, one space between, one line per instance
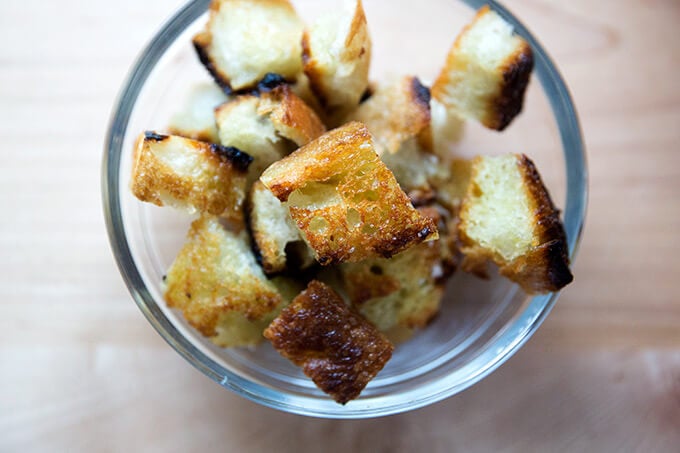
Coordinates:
344 200
274 232
219 287
403 292
395 113
196 119
486 72
189 174
245 39
337 56
507 217
444 131
336 347
267 126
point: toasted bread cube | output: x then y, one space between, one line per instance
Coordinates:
196 119
190 174
395 113
337 57
291 116
507 216
337 348
274 232
245 39
219 287
486 72
398 292
415 171
345 200
443 132
265 125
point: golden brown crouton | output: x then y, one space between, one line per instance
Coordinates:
196 119
190 174
245 39
219 287
345 200
507 216
337 56
403 292
274 232
263 125
337 348
486 72
395 113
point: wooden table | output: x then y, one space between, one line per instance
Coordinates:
81 369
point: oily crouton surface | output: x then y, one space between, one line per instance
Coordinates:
337 56
219 287
486 72
395 113
245 39
345 200
190 174
267 126
507 216
196 118
337 348
274 232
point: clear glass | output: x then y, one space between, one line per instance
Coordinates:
481 323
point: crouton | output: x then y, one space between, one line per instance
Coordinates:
507 217
219 287
267 126
444 130
415 171
395 113
337 348
274 232
337 56
403 292
486 73
196 119
190 174
244 40
291 116
345 200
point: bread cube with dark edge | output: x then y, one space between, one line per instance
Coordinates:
189 174
395 113
337 56
268 125
245 39
219 287
344 199
336 347
507 217
486 72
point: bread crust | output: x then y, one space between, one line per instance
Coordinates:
216 184
544 267
364 212
336 347
501 102
291 116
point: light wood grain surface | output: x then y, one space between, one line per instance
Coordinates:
82 370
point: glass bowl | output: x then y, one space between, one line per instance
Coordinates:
481 324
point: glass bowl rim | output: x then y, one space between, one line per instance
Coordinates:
492 356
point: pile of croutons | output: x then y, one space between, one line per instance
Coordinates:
331 211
